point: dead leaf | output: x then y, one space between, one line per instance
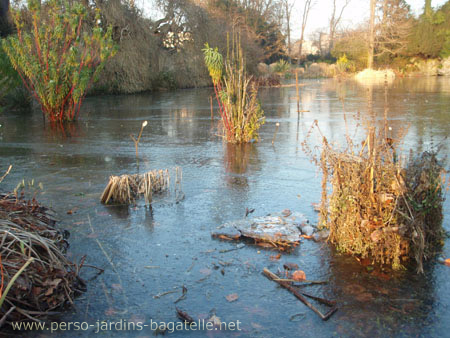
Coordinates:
49 291
225 237
364 297
232 297
53 285
286 213
447 262
256 326
117 287
381 275
306 237
290 266
299 275
36 290
53 282
365 261
275 257
110 312
386 198
215 320
316 206
184 316
265 244
376 236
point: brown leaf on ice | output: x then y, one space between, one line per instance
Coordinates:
299 275
290 266
117 287
110 312
275 257
232 297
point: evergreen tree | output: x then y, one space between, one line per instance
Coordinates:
431 34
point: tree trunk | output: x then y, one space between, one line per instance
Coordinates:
4 8
300 47
336 16
4 24
288 28
371 35
332 27
331 40
428 10
306 10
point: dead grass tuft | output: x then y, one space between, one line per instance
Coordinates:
125 189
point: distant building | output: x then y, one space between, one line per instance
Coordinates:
324 43
308 47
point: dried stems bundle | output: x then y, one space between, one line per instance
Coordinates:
36 276
125 189
379 206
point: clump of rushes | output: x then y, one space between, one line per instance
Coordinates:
239 108
125 189
56 56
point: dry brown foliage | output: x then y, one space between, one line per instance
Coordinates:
377 205
27 233
125 189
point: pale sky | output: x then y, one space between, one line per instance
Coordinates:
355 13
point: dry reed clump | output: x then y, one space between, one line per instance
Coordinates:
380 207
125 189
36 277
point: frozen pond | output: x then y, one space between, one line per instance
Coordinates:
146 254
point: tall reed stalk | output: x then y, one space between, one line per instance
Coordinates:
236 96
136 140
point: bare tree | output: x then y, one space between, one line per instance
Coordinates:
335 19
317 38
371 45
264 19
287 11
306 9
265 8
394 28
